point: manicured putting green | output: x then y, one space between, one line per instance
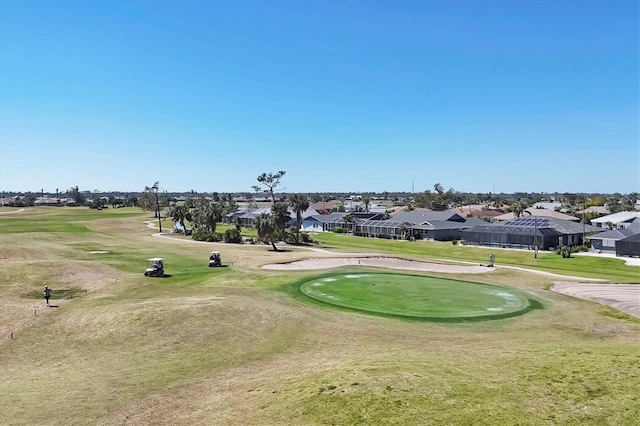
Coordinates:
416 296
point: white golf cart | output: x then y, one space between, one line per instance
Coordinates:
214 259
155 267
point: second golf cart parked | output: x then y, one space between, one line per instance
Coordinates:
214 259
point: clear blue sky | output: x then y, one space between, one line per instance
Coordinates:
535 96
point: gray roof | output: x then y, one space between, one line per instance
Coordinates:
389 223
616 234
632 239
329 218
472 221
544 226
512 229
443 224
238 212
418 217
248 213
562 226
307 213
253 213
634 223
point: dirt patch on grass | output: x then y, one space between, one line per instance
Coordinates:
21 295
623 297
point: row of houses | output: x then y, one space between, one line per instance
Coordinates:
533 230
623 239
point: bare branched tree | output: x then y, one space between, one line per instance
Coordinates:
269 182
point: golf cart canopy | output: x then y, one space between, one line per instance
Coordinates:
155 259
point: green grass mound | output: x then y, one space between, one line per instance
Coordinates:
418 297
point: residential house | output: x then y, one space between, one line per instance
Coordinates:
324 207
528 232
629 246
607 241
441 226
532 212
247 215
46 201
425 225
324 222
617 220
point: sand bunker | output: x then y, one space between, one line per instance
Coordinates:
623 297
376 262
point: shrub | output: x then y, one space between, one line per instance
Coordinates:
306 238
454 242
580 248
565 251
339 230
206 235
199 235
232 236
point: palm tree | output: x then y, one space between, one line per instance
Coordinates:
266 229
348 220
517 209
280 213
403 230
238 223
299 203
366 201
179 214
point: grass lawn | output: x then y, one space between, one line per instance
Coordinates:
58 219
591 267
229 346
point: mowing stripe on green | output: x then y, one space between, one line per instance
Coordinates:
416 296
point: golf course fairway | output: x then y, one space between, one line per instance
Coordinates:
417 296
